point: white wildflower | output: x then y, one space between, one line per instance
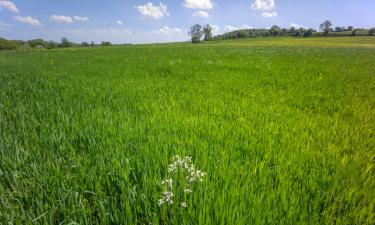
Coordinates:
185 166
167 182
161 202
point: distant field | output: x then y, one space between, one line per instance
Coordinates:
284 129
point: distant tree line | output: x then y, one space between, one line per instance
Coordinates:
200 33
42 44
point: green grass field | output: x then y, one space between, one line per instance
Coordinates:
283 128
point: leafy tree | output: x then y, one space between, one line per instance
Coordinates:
92 44
242 34
275 30
106 43
299 32
65 43
308 32
51 45
7 45
85 44
36 42
339 29
371 31
326 27
196 33
284 31
354 33
350 28
207 30
292 30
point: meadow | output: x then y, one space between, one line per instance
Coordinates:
283 129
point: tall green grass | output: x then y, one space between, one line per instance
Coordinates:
284 129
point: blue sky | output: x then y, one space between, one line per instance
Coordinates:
144 21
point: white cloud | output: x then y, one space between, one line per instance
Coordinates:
61 19
119 22
215 29
263 5
242 27
269 14
155 12
117 36
167 30
81 18
202 14
199 4
2 24
9 5
297 26
28 20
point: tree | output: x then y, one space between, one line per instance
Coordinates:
36 42
92 44
65 43
106 43
339 29
350 28
7 45
275 30
292 30
51 44
354 33
308 32
207 30
326 27
85 44
196 33
371 31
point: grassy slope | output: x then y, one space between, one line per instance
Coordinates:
284 129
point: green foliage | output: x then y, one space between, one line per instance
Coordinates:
65 43
196 33
7 45
106 43
207 30
51 45
308 32
326 27
283 127
371 31
36 42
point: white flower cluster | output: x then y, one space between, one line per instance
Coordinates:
186 166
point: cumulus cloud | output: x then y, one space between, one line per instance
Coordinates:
199 4
202 14
242 27
263 5
9 5
113 35
81 18
296 25
269 14
2 24
28 20
215 29
167 30
61 19
119 22
154 12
